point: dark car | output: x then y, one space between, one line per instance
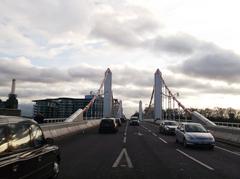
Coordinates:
108 125
134 121
24 151
167 127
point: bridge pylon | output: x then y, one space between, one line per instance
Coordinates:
158 95
107 102
140 111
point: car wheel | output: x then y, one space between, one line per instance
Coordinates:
184 143
56 170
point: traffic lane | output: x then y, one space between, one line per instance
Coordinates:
228 147
217 159
153 158
219 145
89 155
154 128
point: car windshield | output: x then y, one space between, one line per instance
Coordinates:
170 123
194 128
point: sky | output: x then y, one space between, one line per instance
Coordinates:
58 48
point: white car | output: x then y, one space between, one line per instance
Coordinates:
190 134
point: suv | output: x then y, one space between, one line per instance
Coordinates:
108 125
24 151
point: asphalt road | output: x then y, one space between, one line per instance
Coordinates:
138 152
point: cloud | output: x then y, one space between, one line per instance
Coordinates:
21 69
221 65
126 27
179 44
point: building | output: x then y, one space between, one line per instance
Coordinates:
64 107
10 106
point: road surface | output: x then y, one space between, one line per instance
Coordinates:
140 152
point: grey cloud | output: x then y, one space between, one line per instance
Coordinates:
89 73
130 75
181 44
49 16
122 30
14 69
219 65
130 93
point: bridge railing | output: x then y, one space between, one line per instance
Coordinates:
228 124
55 130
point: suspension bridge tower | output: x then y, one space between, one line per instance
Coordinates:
140 111
107 102
158 95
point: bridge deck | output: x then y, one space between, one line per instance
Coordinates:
149 155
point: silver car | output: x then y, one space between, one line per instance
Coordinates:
190 134
167 127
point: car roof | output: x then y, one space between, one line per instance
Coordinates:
14 119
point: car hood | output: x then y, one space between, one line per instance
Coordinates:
199 135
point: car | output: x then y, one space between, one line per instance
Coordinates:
194 134
25 152
118 121
134 121
167 127
108 125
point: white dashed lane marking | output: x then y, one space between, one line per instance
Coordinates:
195 160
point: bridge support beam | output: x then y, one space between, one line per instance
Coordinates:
107 102
158 95
140 111
120 110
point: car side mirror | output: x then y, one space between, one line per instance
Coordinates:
49 141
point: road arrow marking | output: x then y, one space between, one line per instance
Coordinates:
120 157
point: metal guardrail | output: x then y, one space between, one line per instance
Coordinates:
228 124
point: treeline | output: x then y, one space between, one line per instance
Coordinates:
215 114
220 114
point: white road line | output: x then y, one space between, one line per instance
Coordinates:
162 140
195 160
125 134
123 153
226 150
124 139
125 131
154 134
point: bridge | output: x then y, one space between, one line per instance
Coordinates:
141 152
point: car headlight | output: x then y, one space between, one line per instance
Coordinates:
167 128
189 137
